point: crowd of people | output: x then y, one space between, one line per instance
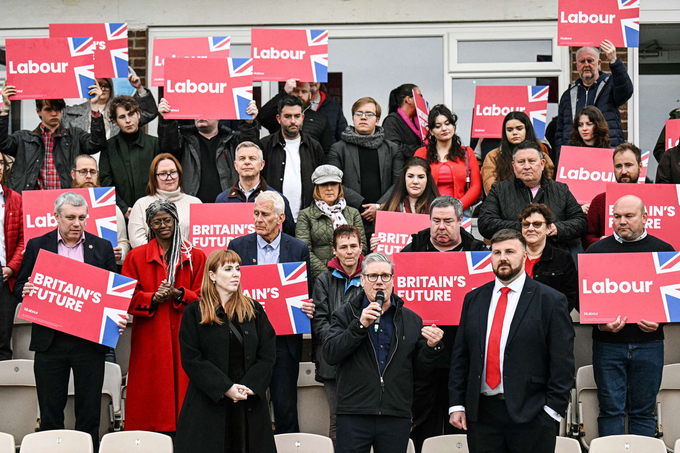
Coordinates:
203 354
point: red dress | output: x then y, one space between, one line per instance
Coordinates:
156 381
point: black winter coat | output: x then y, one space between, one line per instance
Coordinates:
420 242
397 131
507 199
613 90
336 118
183 143
668 171
660 146
28 150
311 156
361 389
205 358
556 269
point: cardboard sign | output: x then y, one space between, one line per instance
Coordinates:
493 103
110 45
50 68
280 289
663 208
672 133
435 286
588 23
210 88
647 287
588 170
210 47
214 225
101 215
422 112
77 298
279 55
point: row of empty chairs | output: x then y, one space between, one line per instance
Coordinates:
67 441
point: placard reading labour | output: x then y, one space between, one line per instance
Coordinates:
77 299
279 55
211 47
50 68
214 225
588 22
493 103
672 133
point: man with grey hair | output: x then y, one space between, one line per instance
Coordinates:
604 91
249 162
269 245
378 345
57 353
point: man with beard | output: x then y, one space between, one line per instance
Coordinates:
627 167
512 366
291 156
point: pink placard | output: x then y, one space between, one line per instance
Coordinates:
214 225
281 54
493 103
208 47
588 23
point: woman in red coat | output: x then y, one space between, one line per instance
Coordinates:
169 272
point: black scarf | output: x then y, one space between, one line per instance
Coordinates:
365 141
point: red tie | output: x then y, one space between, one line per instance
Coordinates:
493 353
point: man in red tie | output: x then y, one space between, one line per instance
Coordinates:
512 366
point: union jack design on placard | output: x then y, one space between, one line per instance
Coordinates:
117 35
645 164
478 262
292 273
102 196
120 285
84 79
665 262
81 46
110 41
242 67
319 61
467 224
109 334
669 262
538 93
239 67
219 43
107 228
116 31
629 4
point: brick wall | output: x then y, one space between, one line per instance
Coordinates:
137 48
621 53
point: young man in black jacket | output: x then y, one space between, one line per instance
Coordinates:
376 362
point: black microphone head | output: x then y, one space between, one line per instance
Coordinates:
380 296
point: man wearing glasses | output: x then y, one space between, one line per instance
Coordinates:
370 164
377 350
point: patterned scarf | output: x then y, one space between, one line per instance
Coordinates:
333 212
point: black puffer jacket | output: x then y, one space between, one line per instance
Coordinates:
507 199
613 90
361 389
556 269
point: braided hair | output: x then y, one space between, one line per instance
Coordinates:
177 244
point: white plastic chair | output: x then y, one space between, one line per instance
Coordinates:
136 442
628 443
18 398
303 443
410 448
446 444
7 443
668 405
588 404
313 411
21 338
567 445
57 441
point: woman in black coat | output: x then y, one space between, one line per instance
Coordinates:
400 125
549 265
228 349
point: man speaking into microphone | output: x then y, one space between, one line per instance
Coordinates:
377 345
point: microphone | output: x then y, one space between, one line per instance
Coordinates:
380 298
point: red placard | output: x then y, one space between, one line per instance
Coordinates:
492 103
77 298
434 285
672 133
279 55
110 45
101 215
50 68
214 225
210 47
208 88
395 229
422 112
280 289
663 208
645 288
588 23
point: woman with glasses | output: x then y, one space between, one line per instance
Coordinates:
165 183
549 265
454 167
401 124
169 273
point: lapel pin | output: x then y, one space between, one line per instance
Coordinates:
90 245
254 260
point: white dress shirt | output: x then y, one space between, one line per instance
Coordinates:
513 298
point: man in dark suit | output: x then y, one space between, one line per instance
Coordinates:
57 353
269 245
512 366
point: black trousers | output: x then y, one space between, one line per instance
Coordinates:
358 433
495 432
8 305
283 387
52 369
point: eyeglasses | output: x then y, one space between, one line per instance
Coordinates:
536 224
104 86
86 172
368 115
374 277
165 176
160 223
